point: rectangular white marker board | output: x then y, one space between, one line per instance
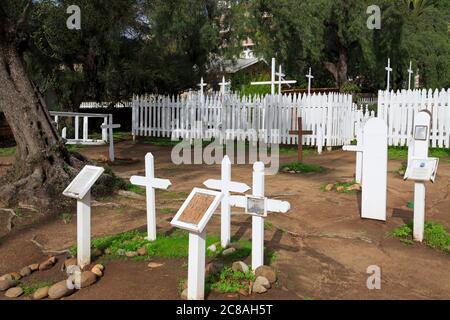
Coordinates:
197 209
422 169
83 182
256 206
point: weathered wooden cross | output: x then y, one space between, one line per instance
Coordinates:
258 205
111 126
300 133
310 77
226 186
389 70
410 73
150 183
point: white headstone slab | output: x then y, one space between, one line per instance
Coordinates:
374 182
83 182
199 219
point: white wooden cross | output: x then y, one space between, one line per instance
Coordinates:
310 77
150 183
389 70
272 81
223 86
280 76
359 154
410 72
202 84
258 220
226 186
111 126
80 189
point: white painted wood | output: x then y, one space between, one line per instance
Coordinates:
389 70
223 86
258 222
110 127
359 149
64 133
374 182
310 77
150 183
196 266
84 230
410 73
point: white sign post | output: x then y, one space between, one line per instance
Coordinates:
111 126
226 186
389 70
410 73
359 154
420 169
374 170
150 183
310 77
257 205
80 189
193 216
273 80
223 86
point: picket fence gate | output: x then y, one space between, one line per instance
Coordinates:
400 108
269 118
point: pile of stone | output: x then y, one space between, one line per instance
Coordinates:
9 282
341 187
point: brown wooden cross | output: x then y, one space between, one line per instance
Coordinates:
300 132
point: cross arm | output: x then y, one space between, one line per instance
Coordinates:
272 205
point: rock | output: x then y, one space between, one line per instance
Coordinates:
240 266
95 253
329 187
47 264
59 290
212 248
100 266
121 252
184 294
41 293
87 278
228 251
131 254
292 171
213 268
261 285
243 292
52 260
154 265
25 272
96 270
70 262
34 267
356 187
142 251
6 284
340 188
16 276
14 292
6 277
266 272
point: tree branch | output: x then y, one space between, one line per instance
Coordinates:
21 23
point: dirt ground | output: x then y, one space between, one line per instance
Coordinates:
323 248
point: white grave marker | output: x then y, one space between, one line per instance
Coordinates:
359 154
193 216
420 169
374 170
226 186
410 73
202 84
150 183
310 77
223 86
257 205
80 189
273 81
111 126
389 70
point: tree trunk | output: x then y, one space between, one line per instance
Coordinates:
43 166
339 69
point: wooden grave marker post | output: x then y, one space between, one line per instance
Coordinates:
150 183
420 169
193 216
80 189
111 126
374 170
258 205
225 185
300 133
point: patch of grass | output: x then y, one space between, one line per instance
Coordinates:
66 217
410 204
402 169
292 150
268 225
8 151
435 236
300 167
167 211
30 288
75 147
401 153
135 189
162 142
229 281
171 195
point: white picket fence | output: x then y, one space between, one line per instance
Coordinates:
399 109
331 117
104 105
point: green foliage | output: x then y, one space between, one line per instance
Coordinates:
300 167
8 151
135 189
229 281
402 169
435 235
66 217
401 153
33 286
350 88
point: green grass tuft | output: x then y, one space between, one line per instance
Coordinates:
135 189
229 281
300 167
32 287
8 151
401 153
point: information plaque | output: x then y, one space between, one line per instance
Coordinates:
83 182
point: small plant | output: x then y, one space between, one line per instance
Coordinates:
403 231
402 169
167 211
66 217
268 225
229 281
8 151
300 167
30 288
136 189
